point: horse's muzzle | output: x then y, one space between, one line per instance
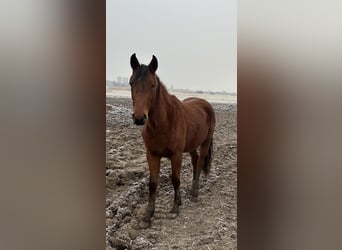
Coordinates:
139 121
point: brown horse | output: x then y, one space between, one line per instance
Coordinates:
171 127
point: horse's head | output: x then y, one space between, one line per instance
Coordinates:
143 88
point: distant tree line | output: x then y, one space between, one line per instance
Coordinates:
222 92
120 82
123 82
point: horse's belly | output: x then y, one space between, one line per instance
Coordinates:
195 136
193 144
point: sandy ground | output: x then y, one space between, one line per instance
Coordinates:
206 223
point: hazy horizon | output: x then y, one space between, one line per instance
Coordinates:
167 87
194 42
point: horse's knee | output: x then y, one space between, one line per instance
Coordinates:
194 158
193 161
175 181
152 186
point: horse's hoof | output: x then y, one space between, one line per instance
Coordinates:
175 210
194 192
144 224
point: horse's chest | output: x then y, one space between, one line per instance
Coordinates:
159 144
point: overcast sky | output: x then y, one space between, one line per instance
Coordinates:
194 41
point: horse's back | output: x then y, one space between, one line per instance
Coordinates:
196 102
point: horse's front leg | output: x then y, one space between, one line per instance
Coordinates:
154 167
176 163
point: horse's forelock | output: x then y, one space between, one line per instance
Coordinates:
141 73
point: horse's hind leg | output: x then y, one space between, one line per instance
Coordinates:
197 170
176 162
194 158
154 167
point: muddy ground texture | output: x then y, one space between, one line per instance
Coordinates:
208 222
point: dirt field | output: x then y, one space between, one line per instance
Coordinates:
209 222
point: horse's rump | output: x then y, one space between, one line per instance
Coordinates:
199 108
198 102
200 119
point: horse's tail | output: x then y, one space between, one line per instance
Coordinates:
208 158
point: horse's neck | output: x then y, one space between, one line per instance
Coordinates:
162 110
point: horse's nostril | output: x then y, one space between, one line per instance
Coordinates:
139 121
144 119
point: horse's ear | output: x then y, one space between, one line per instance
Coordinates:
153 64
134 62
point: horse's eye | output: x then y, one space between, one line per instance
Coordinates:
153 85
